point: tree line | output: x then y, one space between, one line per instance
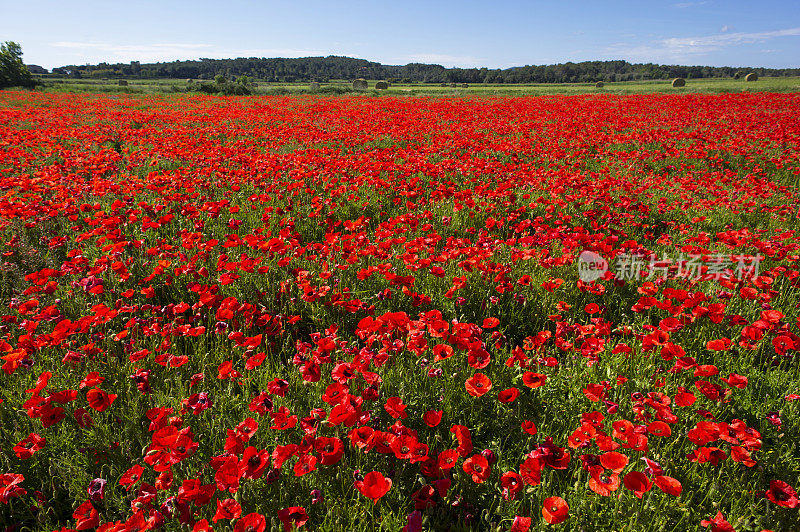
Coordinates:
325 69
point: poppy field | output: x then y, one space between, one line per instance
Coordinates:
374 313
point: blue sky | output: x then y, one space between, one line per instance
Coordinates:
495 34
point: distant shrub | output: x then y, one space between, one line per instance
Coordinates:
279 91
752 76
331 89
225 89
678 82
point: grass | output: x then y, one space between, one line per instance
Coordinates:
710 86
222 229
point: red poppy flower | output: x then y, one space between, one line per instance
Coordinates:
228 474
478 385
227 509
659 428
718 523
614 461
261 403
555 510
447 458
782 494
86 516
306 464
464 440
442 352
638 483
490 323
361 436
736 381
533 380
668 485
10 487
521 524
529 427
721 344
330 450
512 484
395 407
253 463
602 483
531 471
253 522
478 358
685 398
478 467
100 400
508 395
28 446
131 477
432 418
374 485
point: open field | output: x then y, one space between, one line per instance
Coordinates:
369 313
787 84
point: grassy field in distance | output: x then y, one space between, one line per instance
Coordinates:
709 85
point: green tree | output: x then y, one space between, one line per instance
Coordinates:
13 72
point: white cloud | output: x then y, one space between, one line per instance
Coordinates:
726 29
684 5
678 49
717 42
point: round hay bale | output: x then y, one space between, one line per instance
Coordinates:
123 83
314 86
360 85
452 85
465 85
678 82
443 85
752 76
381 85
599 84
190 80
